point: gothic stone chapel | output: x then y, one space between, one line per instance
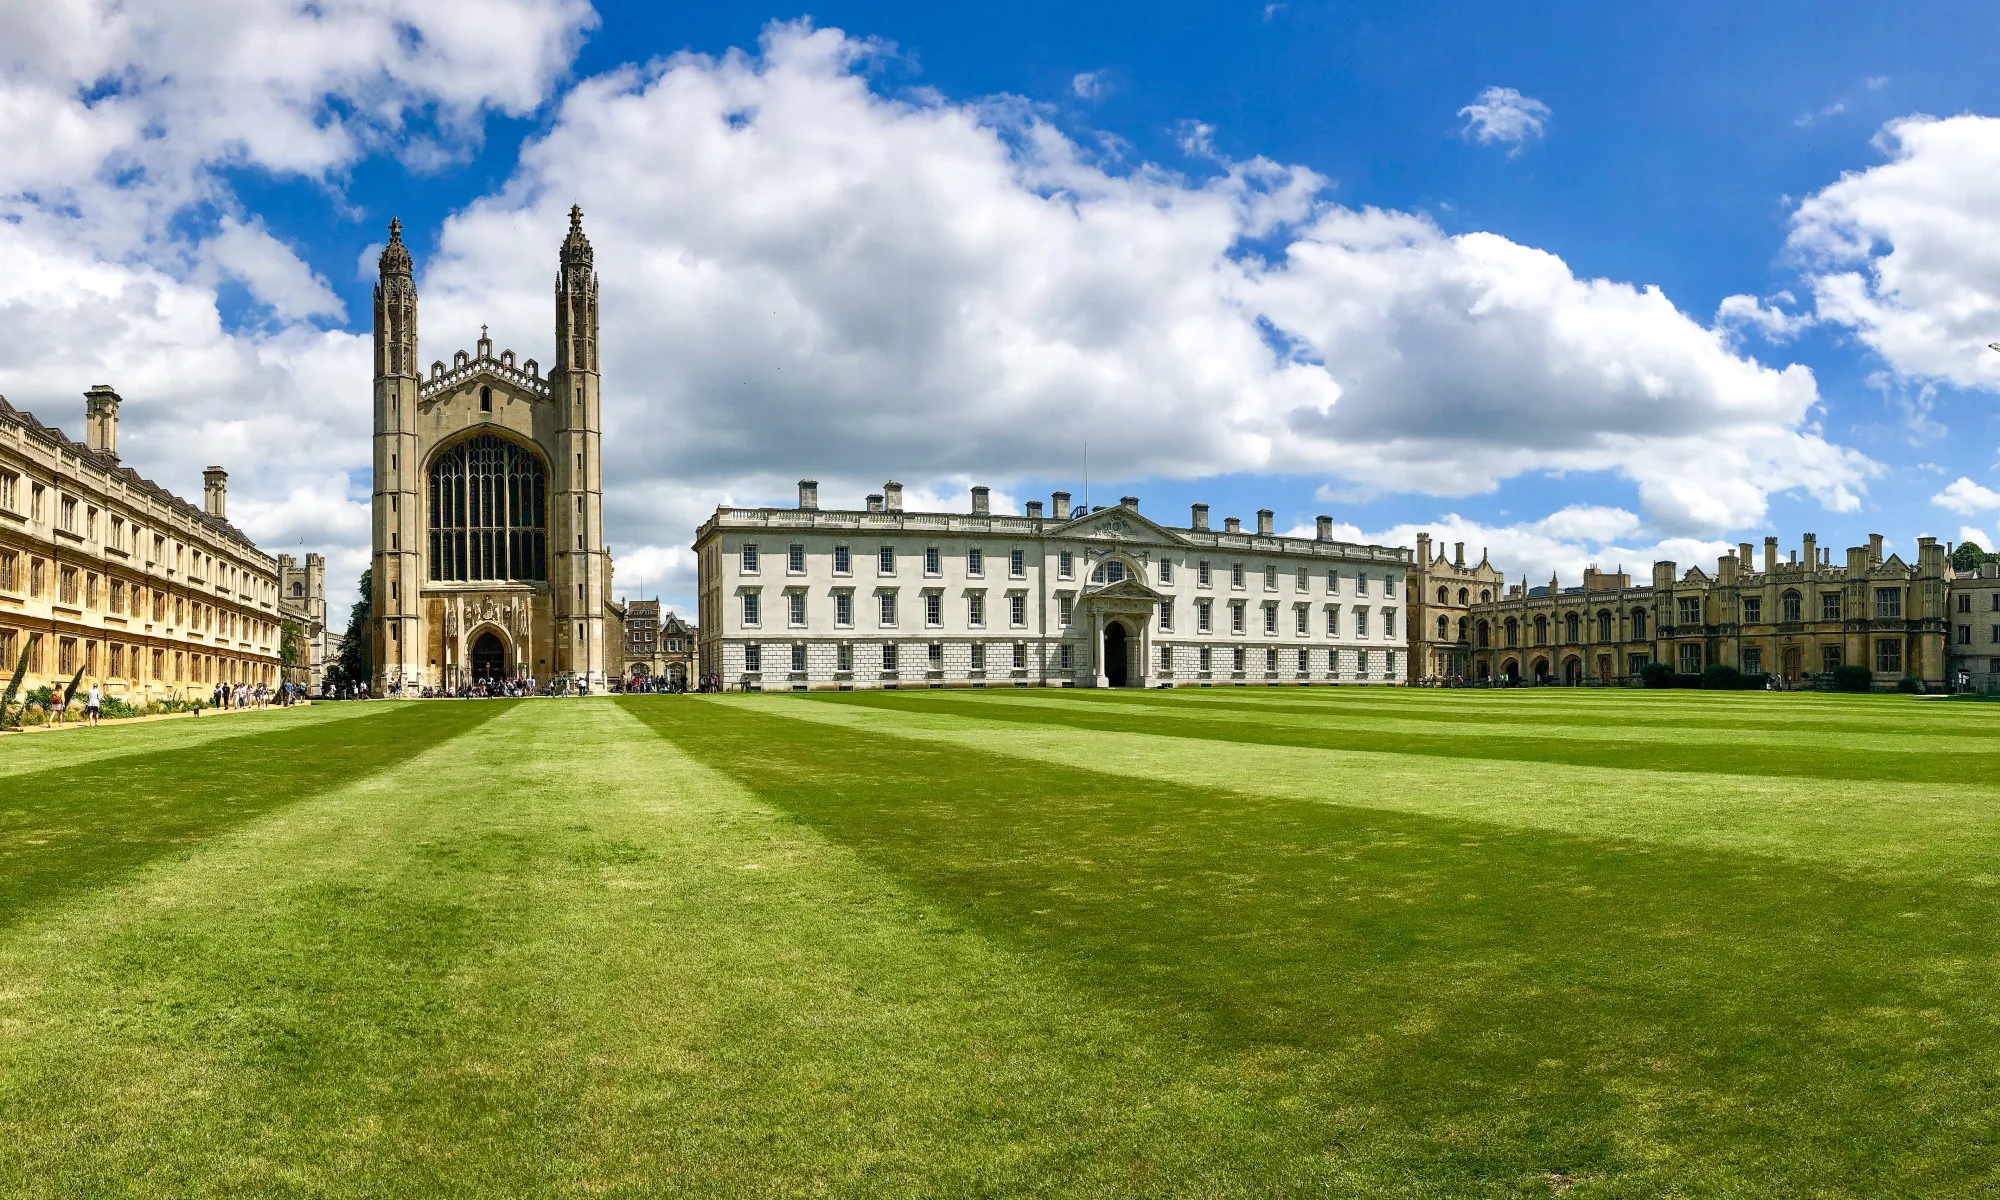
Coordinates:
489 557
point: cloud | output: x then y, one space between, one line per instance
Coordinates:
1907 253
1561 544
1967 498
1832 110
272 272
1875 83
1501 115
1978 537
1091 85
1738 313
1272 10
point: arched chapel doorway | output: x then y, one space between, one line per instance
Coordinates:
1573 672
1541 671
489 657
1115 665
1793 661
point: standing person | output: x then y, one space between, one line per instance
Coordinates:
56 706
93 700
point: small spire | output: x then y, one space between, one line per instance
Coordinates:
395 256
576 247
576 218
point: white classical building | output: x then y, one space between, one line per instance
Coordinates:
806 598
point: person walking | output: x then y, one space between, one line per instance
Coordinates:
56 706
93 701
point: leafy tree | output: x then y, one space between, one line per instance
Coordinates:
69 693
13 688
1967 558
357 651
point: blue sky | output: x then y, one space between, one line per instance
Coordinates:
1390 262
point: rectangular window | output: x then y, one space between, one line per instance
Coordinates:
1690 659
1360 622
1388 622
979 656
889 657
66 588
1020 656
1829 658
1753 609
69 513
937 656
798 658
1066 565
1236 660
1062 657
888 609
1965 635
843 658
9 488
1236 617
795 559
885 560
1203 614
1167 617
1389 589
1166 660
1889 651
1166 571
117 533
1753 661
750 558
975 608
1332 582
1888 606
933 561
1829 606
1236 575
751 616
1202 575
1270 618
1361 585
1304 580
1017 610
1305 661
1063 610
1017 564
1303 619
1270 579
1333 620
118 595
36 495
1204 658
798 604
753 657
10 571
1965 602
843 561
1271 661
933 609
1995 597
1996 634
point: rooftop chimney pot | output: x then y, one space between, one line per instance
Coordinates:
100 406
1264 516
892 496
1061 502
1198 517
981 503
215 493
808 493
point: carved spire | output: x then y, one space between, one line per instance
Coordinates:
576 247
395 256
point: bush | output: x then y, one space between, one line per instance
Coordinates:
1656 675
1721 677
1910 683
1852 678
1755 683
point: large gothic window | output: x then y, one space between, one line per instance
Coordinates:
489 512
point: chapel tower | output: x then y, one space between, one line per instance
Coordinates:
581 564
398 469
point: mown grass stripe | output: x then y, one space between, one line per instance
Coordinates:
1906 829
64 830
1502 1002
21 754
1804 759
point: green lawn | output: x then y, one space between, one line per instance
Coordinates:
1204 943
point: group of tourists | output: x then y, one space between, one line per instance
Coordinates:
655 683
243 695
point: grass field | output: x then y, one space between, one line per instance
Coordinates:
1213 943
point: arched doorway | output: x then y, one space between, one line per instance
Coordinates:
489 657
1510 671
1541 671
1793 660
1573 672
1114 653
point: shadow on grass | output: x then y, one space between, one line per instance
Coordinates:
70 829
1479 1008
1813 757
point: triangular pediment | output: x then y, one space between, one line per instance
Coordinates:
1120 523
1894 563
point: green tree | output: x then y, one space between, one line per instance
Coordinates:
291 645
1967 558
13 689
356 663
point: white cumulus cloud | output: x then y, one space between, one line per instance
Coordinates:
1504 116
1964 496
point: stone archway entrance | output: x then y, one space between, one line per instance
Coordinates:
489 658
1792 658
1116 659
1573 672
1541 671
1510 671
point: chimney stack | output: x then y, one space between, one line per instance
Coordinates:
100 406
1874 549
1458 555
1061 502
1035 509
1231 525
1131 502
1323 527
808 493
1810 553
892 496
1744 562
875 503
1770 555
981 502
215 492
1198 518
1264 516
